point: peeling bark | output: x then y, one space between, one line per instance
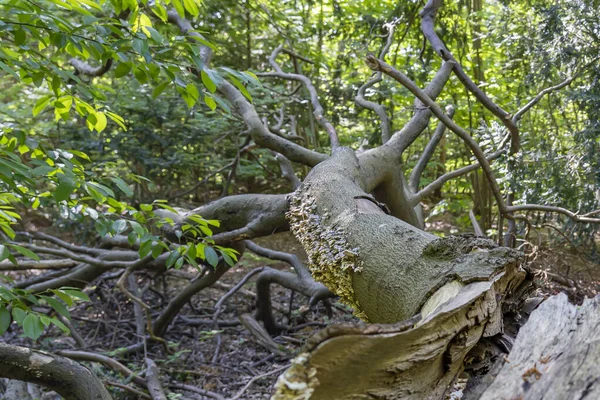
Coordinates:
415 359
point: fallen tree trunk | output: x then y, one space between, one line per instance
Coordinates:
447 291
555 355
385 268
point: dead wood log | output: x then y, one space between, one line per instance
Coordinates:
555 355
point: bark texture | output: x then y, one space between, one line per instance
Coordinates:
383 267
415 359
555 355
66 377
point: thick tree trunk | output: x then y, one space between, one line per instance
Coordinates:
448 291
385 268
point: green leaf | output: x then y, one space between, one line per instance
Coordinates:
140 75
91 4
7 294
160 12
157 250
179 8
117 119
119 226
63 296
122 69
159 89
19 315
5 319
241 87
191 7
20 37
145 248
8 69
211 256
26 252
228 259
205 230
172 258
32 326
192 91
179 263
137 228
41 104
57 306
60 325
78 294
63 191
100 121
123 186
4 252
200 39
208 83
210 102
105 191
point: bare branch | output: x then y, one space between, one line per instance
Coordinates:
298 56
415 175
437 111
277 131
187 29
105 360
476 227
519 114
84 68
254 379
560 210
261 134
64 245
314 98
243 216
23 265
439 182
194 389
378 108
100 261
473 145
407 135
289 258
287 170
232 291
67 378
153 378
427 26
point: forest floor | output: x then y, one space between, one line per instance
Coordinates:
226 359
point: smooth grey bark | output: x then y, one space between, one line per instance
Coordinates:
244 216
66 377
383 267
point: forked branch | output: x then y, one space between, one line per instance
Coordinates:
428 27
505 209
415 175
318 111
